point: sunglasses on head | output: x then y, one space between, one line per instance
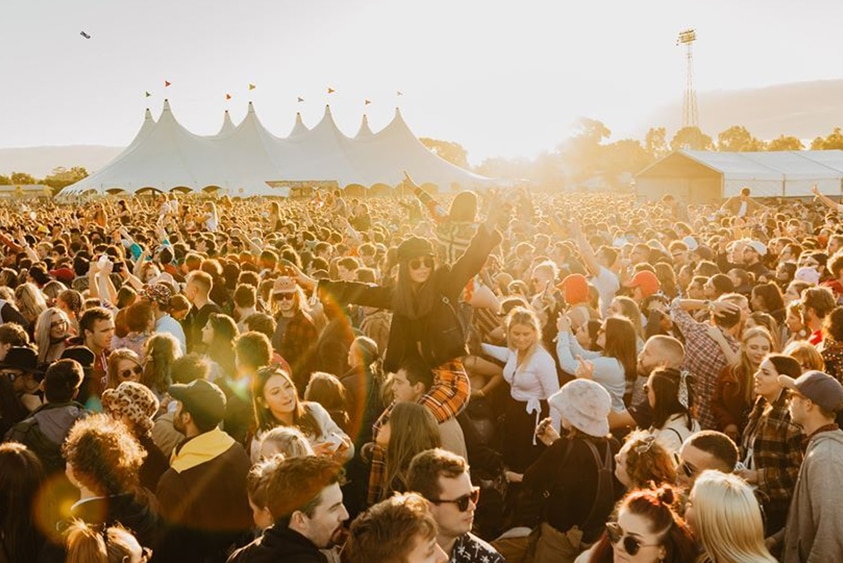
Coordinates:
126 373
630 544
462 502
417 263
283 296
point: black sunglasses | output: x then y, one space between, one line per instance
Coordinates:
416 263
630 544
462 502
685 467
137 370
283 296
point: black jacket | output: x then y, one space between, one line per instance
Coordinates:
405 334
279 543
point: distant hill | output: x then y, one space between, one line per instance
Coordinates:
40 161
803 109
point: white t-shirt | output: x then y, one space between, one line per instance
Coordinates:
607 285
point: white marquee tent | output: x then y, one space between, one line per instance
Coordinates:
241 160
700 176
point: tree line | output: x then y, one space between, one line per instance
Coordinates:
59 178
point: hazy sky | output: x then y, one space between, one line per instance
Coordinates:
501 78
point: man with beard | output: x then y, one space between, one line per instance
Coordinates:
658 352
203 495
304 497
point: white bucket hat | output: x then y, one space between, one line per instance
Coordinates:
585 404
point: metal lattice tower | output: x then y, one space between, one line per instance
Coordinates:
690 113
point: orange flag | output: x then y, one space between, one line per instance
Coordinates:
331 90
228 96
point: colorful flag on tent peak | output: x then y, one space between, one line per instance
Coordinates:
167 83
228 97
367 102
301 99
146 94
399 93
331 90
252 86
85 35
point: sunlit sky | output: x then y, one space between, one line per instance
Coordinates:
501 78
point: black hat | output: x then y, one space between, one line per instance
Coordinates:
414 247
22 358
201 398
83 355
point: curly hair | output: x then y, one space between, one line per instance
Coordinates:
104 455
647 461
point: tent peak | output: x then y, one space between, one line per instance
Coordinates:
166 105
251 108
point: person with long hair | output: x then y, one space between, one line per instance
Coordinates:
363 383
123 365
615 367
725 517
52 330
642 462
276 403
411 429
794 324
626 307
295 333
22 477
161 351
326 389
734 395
771 444
530 371
767 298
30 302
140 323
671 398
806 354
218 336
766 320
647 530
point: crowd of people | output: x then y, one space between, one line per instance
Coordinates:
477 378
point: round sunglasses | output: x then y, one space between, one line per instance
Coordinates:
630 544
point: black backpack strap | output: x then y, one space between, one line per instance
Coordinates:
604 484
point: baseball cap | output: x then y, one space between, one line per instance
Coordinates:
646 280
575 287
201 398
821 388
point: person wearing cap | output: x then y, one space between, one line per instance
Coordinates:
575 474
203 494
643 284
295 335
20 367
753 254
813 525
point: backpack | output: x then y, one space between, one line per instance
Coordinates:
445 334
28 432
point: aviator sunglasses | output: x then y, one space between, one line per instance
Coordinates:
461 502
630 544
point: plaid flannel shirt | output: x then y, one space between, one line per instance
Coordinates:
776 444
704 359
445 399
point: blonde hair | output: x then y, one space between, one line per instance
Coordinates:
728 519
286 440
30 300
88 544
526 317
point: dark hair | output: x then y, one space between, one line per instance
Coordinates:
389 530
665 383
253 349
326 389
418 371
62 381
785 365
722 284
189 368
820 299
621 344
716 444
771 295
245 296
428 466
260 322
92 315
21 479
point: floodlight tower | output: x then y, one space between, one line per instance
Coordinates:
690 113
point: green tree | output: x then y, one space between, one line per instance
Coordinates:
691 138
581 155
22 178
655 142
448 150
62 177
785 143
818 144
5 180
834 140
624 156
738 139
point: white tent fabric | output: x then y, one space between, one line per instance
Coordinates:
775 173
240 160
